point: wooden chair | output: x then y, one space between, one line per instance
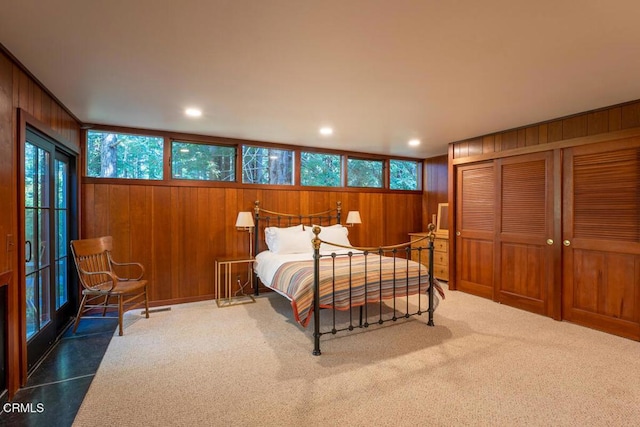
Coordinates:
100 282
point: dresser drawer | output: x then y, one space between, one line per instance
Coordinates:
441 258
441 272
441 245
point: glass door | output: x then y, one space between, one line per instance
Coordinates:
46 238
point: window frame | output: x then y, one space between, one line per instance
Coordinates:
167 180
383 172
341 159
208 144
293 177
85 156
418 174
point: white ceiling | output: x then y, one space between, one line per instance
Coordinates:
379 71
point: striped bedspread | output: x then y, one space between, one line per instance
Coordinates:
343 279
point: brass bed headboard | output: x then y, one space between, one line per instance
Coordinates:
266 218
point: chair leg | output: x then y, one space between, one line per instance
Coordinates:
84 300
120 310
146 303
106 302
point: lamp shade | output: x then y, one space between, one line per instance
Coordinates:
353 217
245 219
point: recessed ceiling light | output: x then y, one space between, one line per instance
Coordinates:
326 131
414 142
193 112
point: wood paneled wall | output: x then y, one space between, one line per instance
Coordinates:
435 184
602 121
20 91
178 232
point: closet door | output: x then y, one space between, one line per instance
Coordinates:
526 240
601 237
474 234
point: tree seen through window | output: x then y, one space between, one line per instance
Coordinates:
203 162
319 169
261 165
365 173
116 155
403 175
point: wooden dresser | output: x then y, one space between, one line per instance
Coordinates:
440 254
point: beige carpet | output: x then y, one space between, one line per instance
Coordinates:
482 364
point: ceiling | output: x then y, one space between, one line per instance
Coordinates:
380 72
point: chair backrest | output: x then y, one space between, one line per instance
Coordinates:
93 255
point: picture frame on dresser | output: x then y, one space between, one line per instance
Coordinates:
442 220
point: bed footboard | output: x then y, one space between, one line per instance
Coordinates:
414 284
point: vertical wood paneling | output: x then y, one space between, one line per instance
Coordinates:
436 187
37 102
203 265
521 138
554 131
574 127
498 143
598 122
543 133
7 190
140 219
178 232
531 136
88 202
630 115
235 201
23 91
509 140
120 220
601 121
162 262
615 119
488 144
475 147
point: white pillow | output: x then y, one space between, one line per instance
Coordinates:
291 240
335 234
271 234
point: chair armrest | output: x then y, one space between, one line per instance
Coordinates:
113 277
128 264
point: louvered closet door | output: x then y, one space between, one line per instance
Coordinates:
601 237
525 243
475 222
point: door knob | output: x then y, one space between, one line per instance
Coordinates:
566 243
457 233
549 242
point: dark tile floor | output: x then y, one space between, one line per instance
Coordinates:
63 377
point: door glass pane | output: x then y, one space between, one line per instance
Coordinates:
30 225
43 239
61 234
30 177
43 179
45 298
62 295
32 304
37 242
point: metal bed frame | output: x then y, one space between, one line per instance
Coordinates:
365 318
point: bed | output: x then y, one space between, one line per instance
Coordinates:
309 260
